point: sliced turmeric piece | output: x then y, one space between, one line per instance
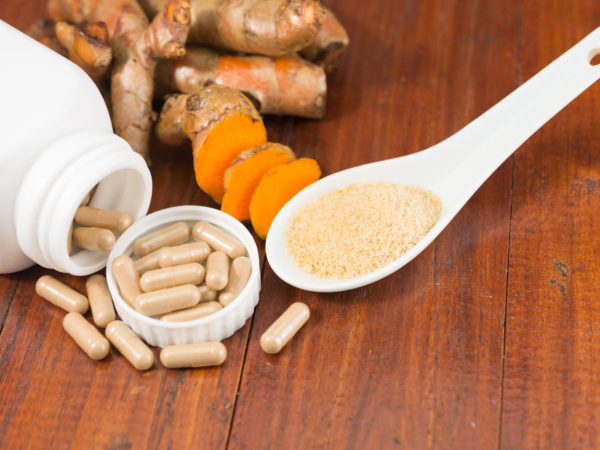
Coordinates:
277 186
244 173
221 123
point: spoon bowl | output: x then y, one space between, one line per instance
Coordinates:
453 169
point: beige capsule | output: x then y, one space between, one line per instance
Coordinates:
165 301
193 355
86 335
207 294
183 254
70 240
284 328
127 279
217 271
218 239
239 274
129 345
86 216
168 277
147 262
100 300
201 310
177 233
93 238
61 295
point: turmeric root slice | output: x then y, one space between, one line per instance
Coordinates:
329 42
221 123
276 188
244 173
286 85
264 27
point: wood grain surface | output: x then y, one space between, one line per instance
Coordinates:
487 339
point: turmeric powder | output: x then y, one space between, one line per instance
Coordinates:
221 123
244 173
285 85
264 27
277 186
136 44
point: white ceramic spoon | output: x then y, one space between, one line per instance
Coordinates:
453 169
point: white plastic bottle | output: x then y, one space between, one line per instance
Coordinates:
56 144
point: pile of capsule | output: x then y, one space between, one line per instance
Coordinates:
175 279
95 229
97 346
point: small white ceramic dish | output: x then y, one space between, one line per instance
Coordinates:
215 327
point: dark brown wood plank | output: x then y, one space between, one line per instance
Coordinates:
416 359
551 387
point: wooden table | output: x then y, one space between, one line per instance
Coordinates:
490 338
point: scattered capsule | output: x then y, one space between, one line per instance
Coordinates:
129 345
207 294
100 300
193 355
239 274
164 301
183 254
70 240
177 233
201 310
218 239
61 295
87 216
93 238
284 328
148 262
217 271
86 335
168 277
127 278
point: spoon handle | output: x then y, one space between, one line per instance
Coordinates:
489 140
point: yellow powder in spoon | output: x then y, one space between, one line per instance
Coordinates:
360 228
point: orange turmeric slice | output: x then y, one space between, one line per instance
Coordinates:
225 141
244 173
277 186
221 123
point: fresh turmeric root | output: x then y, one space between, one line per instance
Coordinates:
277 186
286 85
136 45
244 173
87 45
264 27
221 123
329 42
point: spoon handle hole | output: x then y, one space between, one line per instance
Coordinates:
595 57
